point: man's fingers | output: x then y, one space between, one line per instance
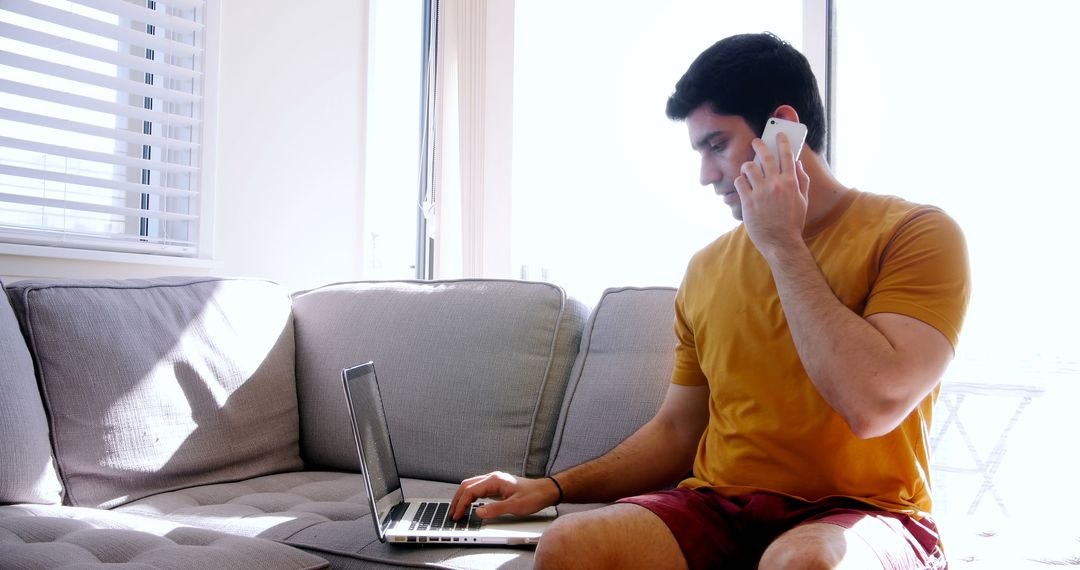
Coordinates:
459 503
469 491
783 151
782 161
494 509
751 175
742 186
804 179
493 485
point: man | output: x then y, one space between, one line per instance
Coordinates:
812 341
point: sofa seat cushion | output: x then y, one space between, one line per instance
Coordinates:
272 506
621 376
153 385
323 512
496 353
38 536
27 470
356 539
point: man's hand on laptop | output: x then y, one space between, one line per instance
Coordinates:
514 495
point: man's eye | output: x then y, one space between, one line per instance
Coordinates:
718 145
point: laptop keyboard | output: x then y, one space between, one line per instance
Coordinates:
433 516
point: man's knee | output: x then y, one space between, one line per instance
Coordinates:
614 536
563 543
788 555
818 546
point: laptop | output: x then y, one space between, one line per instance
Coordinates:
401 519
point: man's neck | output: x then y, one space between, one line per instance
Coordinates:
825 190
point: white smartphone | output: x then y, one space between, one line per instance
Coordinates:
796 134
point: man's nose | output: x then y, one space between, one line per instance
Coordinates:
710 173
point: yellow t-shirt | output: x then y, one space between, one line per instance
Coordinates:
769 429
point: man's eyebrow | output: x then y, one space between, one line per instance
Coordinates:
704 140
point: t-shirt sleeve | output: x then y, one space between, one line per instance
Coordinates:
924 273
687 370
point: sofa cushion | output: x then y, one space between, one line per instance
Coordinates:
55 536
27 473
357 540
160 384
621 375
323 512
472 372
272 506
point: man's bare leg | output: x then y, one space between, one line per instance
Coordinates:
824 545
616 536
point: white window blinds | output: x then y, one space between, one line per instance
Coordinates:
100 124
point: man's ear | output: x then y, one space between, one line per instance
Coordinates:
786 112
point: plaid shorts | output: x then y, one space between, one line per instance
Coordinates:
733 532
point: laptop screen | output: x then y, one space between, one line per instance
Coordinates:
369 422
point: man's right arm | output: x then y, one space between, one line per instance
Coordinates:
653 457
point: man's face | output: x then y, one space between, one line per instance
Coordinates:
724 144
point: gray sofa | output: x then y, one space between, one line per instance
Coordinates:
200 422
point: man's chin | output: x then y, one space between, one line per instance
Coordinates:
733 202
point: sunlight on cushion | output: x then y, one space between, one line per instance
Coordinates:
482 560
215 356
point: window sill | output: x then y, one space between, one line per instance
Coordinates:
37 261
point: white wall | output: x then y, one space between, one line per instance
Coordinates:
290 147
290 140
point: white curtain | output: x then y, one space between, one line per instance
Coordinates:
469 191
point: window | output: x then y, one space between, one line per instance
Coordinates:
969 110
394 98
101 108
605 187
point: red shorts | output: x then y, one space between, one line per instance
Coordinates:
733 532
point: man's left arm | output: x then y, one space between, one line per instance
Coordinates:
873 371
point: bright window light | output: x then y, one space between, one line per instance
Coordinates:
605 187
960 104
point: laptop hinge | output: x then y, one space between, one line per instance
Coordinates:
395 514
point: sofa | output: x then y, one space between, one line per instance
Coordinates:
201 422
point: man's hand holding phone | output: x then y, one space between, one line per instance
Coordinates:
773 188
795 133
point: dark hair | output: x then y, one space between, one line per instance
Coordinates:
750 75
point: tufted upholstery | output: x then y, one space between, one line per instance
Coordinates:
320 511
45 536
272 506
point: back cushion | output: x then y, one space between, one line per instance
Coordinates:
27 473
154 385
621 375
472 372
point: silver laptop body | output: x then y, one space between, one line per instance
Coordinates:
408 520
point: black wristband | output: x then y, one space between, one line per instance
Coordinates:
557 486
